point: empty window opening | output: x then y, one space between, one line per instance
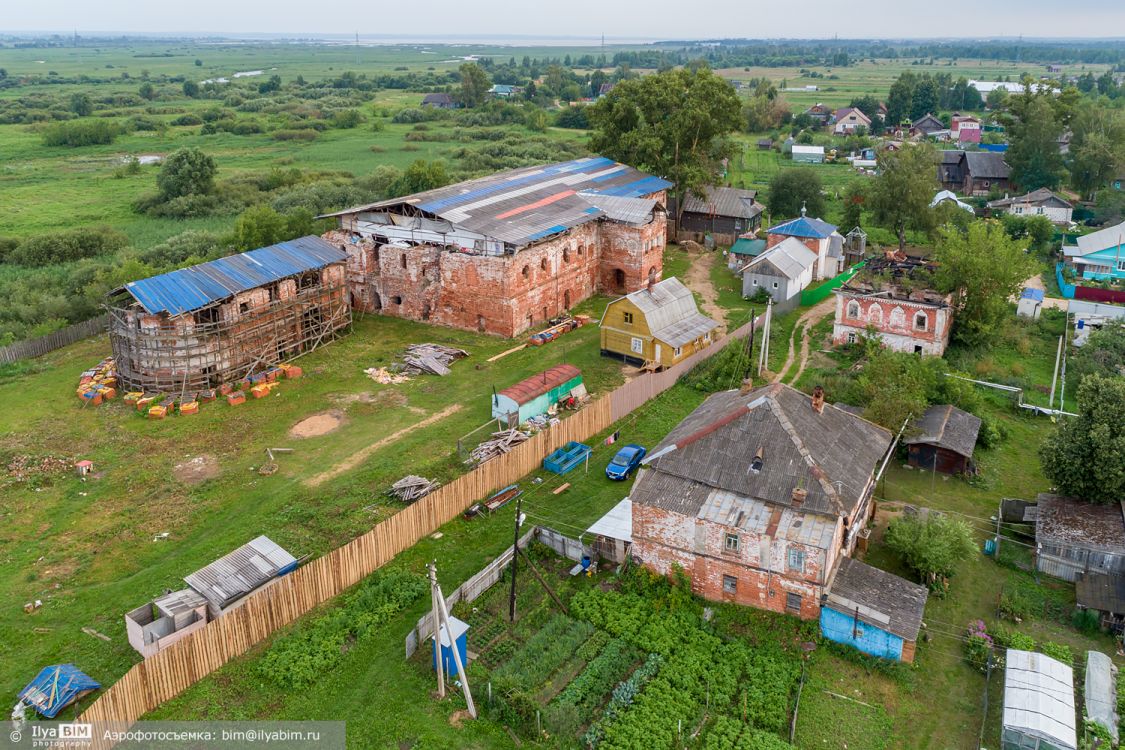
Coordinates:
243 307
543 264
618 278
526 272
920 322
275 292
402 260
396 300
566 255
566 299
917 348
309 280
730 584
628 317
853 309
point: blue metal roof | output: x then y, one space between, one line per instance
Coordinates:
804 226
194 287
1035 294
55 688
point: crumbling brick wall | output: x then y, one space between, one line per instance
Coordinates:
895 320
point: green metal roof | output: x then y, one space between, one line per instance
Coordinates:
747 246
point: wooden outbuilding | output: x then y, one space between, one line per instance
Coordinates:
944 441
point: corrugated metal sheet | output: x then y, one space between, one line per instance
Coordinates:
233 576
670 311
948 427
192 288
803 226
537 385
790 257
731 509
724 201
635 211
523 205
1039 698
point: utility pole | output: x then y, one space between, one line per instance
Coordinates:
436 620
452 643
1055 377
515 554
750 346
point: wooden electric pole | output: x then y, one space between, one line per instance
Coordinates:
444 614
436 622
515 554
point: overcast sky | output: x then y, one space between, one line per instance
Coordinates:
647 19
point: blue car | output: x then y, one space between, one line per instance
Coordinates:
626 460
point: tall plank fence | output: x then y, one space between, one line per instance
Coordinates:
168 673
60 338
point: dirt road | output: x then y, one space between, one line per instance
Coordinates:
810 318
698 279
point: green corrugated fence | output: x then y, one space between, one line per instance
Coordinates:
812 296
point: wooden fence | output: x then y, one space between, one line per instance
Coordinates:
57 340
166 674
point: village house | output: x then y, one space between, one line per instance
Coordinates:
965 128
439 101
758 495
1100 255
974 172
502 253
943 439
850 119
890 297
1073 536
783 271
926 126
505 91
720 214
657 326
819 113
745 249
817 235
221 321
1041 202
874 611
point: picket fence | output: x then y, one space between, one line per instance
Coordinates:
168 673
60 338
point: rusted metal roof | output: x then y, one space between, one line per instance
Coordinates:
535 386
724 201
947 427
1104 592
1070 522
197 286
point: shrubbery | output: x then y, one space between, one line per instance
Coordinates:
65 246
81 133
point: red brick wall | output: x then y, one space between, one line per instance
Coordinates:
938 321
504 295
663 539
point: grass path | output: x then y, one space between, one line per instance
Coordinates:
698 279
804 323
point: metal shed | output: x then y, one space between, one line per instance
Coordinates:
233 576
1074 536
535 395
1038 703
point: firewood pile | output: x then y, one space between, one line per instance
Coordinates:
411 488
434 359
500 443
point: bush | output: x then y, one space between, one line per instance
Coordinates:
307 134
1008 638
978 645
187 171
932 546
1059 651
66 246
187 120
81 133
1086 621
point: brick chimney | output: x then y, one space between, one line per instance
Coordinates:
799 495
747 386
818 400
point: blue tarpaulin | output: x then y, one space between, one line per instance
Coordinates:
55 688
194 287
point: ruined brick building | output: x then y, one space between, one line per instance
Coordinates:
217 322
894 298
758 496
502 253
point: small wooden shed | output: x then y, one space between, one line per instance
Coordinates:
612 534
536 395
1074 536
944 440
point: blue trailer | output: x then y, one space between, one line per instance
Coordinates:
566 458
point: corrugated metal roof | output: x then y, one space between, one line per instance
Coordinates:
790 257
197 286
523 205
617 524
1042 196
535 386
670 311
1104 592
634 211
804 226
731 509
1102 239
948 427
748 246
1070 522
901 601
238 573
1039 698
724 201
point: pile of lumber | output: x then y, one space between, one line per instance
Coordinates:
500 443
410 488
430 358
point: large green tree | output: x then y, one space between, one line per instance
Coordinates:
794 189
899 99
925 100
931 546
983 268
900 196
675 124
1103 354
1034 132
474 85
1085 456
187 171
1097 146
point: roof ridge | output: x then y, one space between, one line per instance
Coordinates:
818 473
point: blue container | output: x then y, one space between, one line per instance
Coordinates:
566 458
461 639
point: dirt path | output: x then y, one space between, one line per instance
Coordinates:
357 458
807 320
698 279
1036 282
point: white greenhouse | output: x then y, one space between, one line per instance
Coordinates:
1038 703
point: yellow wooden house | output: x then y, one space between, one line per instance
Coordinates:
655 327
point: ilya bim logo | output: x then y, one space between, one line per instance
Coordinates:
55 735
